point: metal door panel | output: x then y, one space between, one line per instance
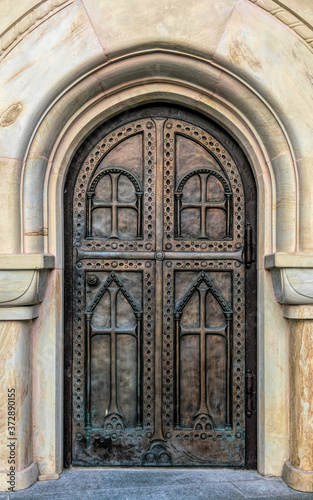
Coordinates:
158 282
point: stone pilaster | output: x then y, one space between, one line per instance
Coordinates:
298 472
292 276
22 284
16 451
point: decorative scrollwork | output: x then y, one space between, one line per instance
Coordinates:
225 172
113 423
113 331
212 323
112 237
203 422
203 285
92 279
204 204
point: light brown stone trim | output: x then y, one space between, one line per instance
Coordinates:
290 259
289 18
22 313
23 478
26 261
298 312
300 480
48 477
28 22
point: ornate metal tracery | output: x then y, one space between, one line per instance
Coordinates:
203 204
112 331
114 204
158 312
202 286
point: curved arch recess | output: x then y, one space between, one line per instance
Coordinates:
211 90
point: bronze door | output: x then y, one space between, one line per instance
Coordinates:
158 319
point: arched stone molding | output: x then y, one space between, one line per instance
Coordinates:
28 21
34 12
225 69
190 80
296 15
232 44
187 81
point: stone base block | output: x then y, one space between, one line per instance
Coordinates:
18 313
48 477
22 478
297 479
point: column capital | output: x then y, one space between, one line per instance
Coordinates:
292 275
23 280
289 260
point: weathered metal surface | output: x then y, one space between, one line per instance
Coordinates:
158 299
250 393
81 254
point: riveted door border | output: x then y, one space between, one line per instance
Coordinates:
249 185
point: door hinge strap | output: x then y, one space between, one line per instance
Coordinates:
250 393
248 245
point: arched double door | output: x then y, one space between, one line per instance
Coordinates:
160 207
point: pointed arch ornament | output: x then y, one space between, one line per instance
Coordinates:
203 417
113 414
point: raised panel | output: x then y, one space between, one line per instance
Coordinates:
114 201
204 197
118 324
204 362
117 317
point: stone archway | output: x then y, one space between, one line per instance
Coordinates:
242 93
49 438
154 93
